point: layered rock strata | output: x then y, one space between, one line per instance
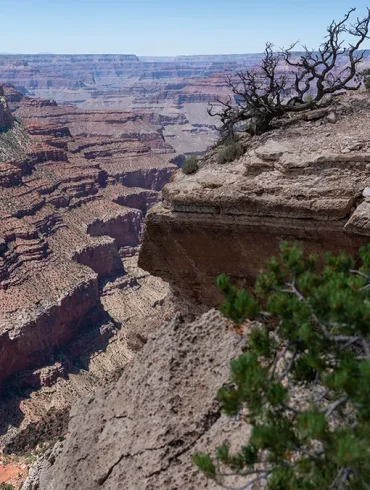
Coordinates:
132 305
288 186
173 92
67 217
176 90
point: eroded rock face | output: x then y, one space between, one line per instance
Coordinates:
140 434
66 212
300 183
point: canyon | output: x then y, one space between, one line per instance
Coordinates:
74 306
141 431
106 281
86 144
173 92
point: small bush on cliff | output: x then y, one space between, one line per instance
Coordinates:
6 486
190 165
230 152
303 381
279 84
366 78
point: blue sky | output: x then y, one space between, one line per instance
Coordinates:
164 27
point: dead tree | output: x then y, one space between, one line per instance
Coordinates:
270 91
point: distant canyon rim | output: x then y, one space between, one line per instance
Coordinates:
174 92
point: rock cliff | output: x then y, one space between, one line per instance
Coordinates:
140 433
307 181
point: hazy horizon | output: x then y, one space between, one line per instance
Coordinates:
163 28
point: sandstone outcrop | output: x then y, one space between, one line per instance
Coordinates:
141 432
303 182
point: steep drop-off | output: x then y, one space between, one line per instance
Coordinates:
305 182
140 433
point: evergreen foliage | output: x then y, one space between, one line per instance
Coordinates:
313 339
190 165
230 152
6 486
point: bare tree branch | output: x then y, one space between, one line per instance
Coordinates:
267 92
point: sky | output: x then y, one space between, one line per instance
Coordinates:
165 27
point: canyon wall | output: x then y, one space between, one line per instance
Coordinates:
75 186
172 92
175 91
48 71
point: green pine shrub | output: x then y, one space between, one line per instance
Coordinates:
311 340
6 486
190 165
230 152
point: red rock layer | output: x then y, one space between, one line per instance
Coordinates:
64 215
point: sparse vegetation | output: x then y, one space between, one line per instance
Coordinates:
366 78
6 486
303 381
232 150
13 143
283 80
190 165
